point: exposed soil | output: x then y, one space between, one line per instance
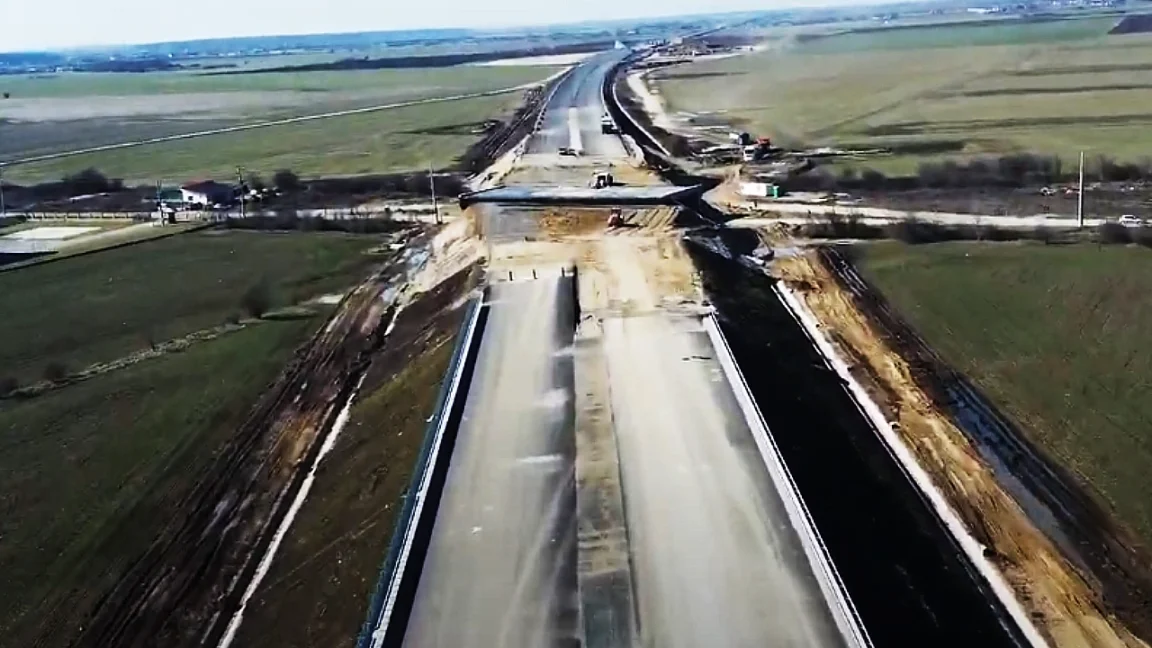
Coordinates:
1071 607
184 588
900 566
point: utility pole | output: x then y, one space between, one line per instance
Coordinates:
160 203
243 193
432 184
1080 195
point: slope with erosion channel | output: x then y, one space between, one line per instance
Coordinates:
903 570
324 574
1076 573
191 578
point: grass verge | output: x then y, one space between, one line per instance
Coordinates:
1054 336
318 590
90 473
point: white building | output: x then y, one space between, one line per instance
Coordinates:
208 192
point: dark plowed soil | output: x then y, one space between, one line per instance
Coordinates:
908 580
1109 553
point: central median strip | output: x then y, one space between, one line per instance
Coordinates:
397 584
843 611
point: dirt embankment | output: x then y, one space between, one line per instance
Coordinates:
1071 606
184 589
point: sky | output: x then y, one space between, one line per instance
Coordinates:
45 24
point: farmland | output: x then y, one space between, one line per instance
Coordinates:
96 308
89 473
402 139
927 92
77 111
91 470
1054 336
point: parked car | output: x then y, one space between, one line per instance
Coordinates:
1128 220
568 150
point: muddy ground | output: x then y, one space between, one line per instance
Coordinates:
1085 581
900 566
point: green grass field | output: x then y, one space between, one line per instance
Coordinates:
100 307
400 139
1055 336
89 473
939 91
50 114
397 84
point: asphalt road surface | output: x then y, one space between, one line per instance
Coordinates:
501 565
580 90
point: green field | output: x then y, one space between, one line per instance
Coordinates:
385 85
938 91
102 306
90 473
50 114
1055 336
401 139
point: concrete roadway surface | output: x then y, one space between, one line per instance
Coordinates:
501 563
715 560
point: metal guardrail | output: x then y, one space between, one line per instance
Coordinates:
384 598
831 586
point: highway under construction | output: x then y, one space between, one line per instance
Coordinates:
639 443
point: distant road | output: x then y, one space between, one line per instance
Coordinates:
266 124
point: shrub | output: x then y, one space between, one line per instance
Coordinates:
55 372
1113 234
257 300
286 180
8 384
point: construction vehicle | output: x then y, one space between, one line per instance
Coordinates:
607 126
616 218
757 151
601 179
